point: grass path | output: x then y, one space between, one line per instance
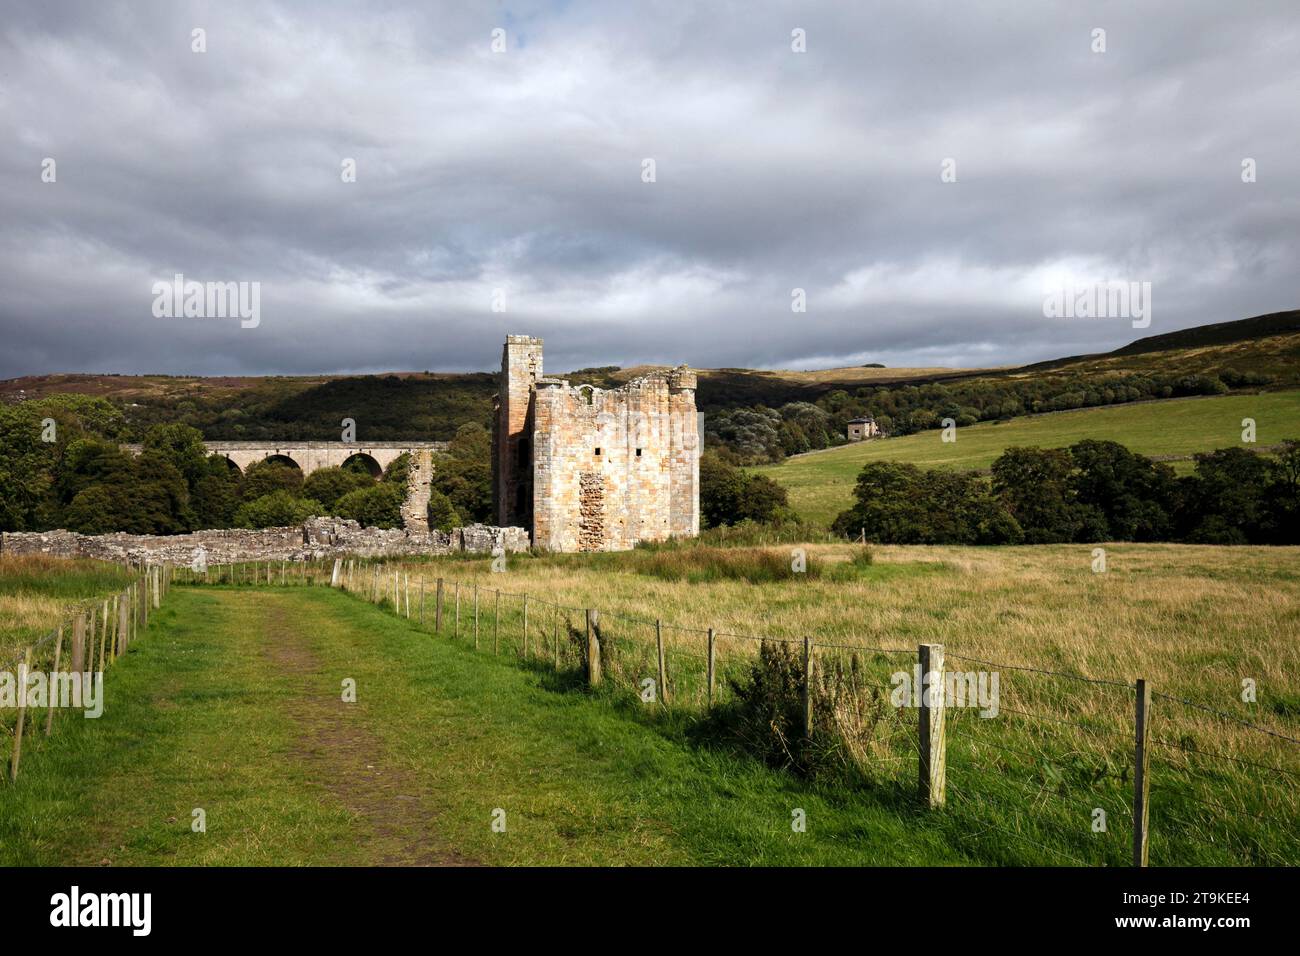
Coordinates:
232 703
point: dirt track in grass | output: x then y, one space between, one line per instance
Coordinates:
342 754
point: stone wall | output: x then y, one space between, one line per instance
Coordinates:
512 470
419 486
612 467
317 538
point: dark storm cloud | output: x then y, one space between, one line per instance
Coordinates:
521 171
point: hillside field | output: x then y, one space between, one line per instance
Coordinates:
821 483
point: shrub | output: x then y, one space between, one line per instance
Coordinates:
442 514
263 477
276 510
377 507
729 495
328 485
766 713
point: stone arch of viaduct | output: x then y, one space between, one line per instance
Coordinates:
310 456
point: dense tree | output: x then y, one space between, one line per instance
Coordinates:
263 477
442 514
1034 484
27 468
217 494
328 485
1136 497
729 495
95 510
276 510
160 497
753 434
377 507
464 473
1229 499
399 471
182 447
901 504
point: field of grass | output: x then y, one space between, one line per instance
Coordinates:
230 702
1193 621
37 593
821 483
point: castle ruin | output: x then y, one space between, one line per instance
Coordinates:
590 469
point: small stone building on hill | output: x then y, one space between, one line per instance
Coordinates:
862 428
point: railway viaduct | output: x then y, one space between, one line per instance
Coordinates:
308 456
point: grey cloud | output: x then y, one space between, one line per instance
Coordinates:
521 171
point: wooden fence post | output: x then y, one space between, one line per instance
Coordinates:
422 601
593 647
437 609
475 617
712 642
103 633
496 625
123 625
334 577
555 636
79 643
455 632
22 715
807 688
930 727
525 627
90 638
116 613
1141 778
157 586
663 669
58 656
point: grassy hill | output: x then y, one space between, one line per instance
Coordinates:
418 406
821 483
1201 336
431 406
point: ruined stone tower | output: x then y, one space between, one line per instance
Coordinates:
588 469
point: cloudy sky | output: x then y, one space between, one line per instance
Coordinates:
523 171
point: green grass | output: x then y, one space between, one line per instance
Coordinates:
230 702
197 716
38 592
821 483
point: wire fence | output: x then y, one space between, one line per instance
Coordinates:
1093 770
50 674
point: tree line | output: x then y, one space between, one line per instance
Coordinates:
61 466
1090 491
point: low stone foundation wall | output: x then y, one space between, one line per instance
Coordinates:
317 538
